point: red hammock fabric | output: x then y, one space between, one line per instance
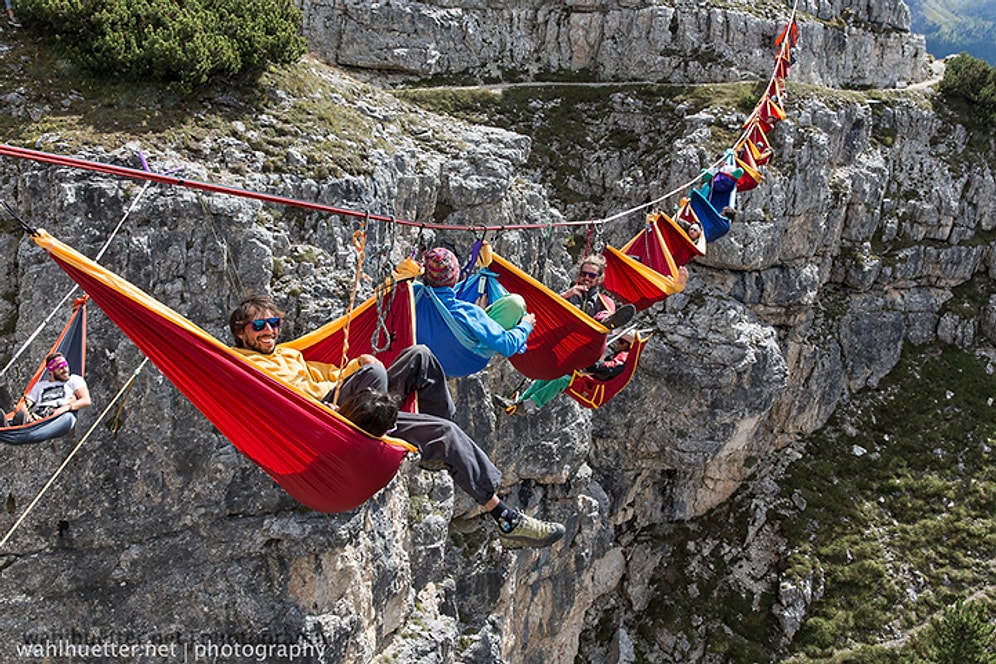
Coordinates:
640 284
661 238
395 333
791 31
768 113
318 457
593 393
564 338
782 65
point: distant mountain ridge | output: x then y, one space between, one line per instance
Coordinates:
956 26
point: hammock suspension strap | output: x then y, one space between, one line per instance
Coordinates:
359 244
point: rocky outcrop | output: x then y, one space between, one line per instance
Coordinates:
858 44
162 531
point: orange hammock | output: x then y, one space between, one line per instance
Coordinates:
633 280
591 392
72 344
317 456
757 142
564 337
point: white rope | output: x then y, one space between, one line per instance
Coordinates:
688 185
72 291
69 458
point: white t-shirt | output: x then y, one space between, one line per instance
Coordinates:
55 393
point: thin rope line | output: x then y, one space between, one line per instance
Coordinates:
359 243
75 287
35 155
69 458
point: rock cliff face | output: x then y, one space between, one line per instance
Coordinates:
860 44
867 221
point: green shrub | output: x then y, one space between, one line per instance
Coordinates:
963 635
971 79
182 43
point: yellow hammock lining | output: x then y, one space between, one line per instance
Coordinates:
141 299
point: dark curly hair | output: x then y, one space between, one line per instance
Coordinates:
372 410
254 306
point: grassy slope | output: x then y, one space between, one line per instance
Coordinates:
955 26
293 106
907 527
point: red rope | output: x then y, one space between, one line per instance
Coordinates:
136 174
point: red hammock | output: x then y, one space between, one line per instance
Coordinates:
791 31
768 113
640 284
317 456
564 337
663 242
591 392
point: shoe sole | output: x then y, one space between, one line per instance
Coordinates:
552 538
623 315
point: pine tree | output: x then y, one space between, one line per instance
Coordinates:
963 635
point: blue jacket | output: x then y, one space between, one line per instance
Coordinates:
477 329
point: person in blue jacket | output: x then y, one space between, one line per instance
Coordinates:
502 328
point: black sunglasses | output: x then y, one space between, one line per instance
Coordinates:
260 323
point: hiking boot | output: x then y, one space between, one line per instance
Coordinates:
504 402
508 405
531 533
622 315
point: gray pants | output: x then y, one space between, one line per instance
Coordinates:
432 431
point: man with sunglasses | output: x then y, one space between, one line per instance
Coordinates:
586 294
255 325
59 393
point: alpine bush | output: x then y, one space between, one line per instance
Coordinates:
973 80
963 635
181 43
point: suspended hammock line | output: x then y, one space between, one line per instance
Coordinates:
69 458
123 171
786 41
135 174
784 47
359 244
75 287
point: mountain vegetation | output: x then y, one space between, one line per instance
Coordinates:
956 26
182 45
973 81
888 511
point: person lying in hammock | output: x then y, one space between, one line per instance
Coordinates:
59 393
541 392
586 294
255 325
500 327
